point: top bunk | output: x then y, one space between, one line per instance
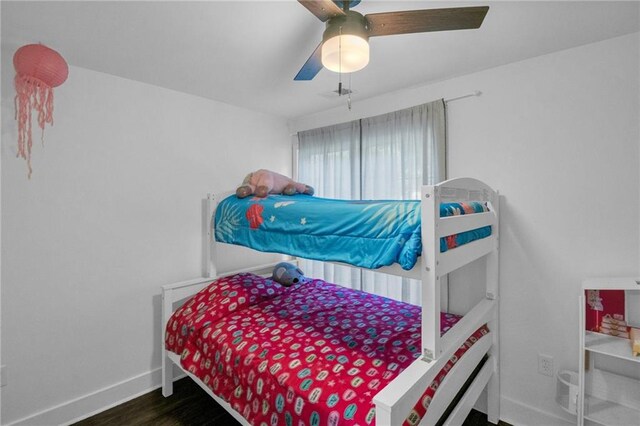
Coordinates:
385 235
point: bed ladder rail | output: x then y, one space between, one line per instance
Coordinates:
481 314
395 402
460 413
456 378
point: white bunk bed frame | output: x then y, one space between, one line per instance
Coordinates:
396 401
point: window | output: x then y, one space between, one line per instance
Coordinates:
384 157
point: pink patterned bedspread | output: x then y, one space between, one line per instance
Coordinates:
307 355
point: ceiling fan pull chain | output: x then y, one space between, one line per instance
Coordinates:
349 93
340 62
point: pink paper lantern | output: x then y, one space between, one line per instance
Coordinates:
38 70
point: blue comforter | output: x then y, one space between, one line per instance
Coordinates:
369 234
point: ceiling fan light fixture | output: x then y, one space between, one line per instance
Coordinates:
345 53
345 41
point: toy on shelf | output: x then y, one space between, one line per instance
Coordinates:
635 341
614 326
594 309
605 312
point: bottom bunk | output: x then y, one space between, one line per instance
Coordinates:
315 353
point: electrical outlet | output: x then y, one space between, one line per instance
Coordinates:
545 365
3 375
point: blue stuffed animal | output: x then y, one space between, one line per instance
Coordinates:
287 274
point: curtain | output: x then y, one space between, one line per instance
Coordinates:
329 160
401 151
389 156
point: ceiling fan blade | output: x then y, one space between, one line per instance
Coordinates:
419 21
312 67
323 9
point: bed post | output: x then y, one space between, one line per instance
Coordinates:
167 364
430 281
209 249
493 292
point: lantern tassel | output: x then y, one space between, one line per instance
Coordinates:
31 93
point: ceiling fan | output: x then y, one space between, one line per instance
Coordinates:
345 42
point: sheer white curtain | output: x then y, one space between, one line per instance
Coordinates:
329 160
401 151
384 157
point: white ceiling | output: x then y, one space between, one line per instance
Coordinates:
246 53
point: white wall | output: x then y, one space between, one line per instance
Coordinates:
558 136
112 212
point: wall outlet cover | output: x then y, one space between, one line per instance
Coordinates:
545 365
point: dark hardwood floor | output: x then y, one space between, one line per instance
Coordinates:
188 406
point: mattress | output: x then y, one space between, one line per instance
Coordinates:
368 234
313 353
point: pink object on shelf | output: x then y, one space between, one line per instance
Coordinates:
38 70
601 304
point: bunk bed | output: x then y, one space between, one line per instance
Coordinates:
437 380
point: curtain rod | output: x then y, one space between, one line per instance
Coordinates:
457 98
475 93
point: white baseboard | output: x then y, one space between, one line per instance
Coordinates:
513 412
94 402
519 414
